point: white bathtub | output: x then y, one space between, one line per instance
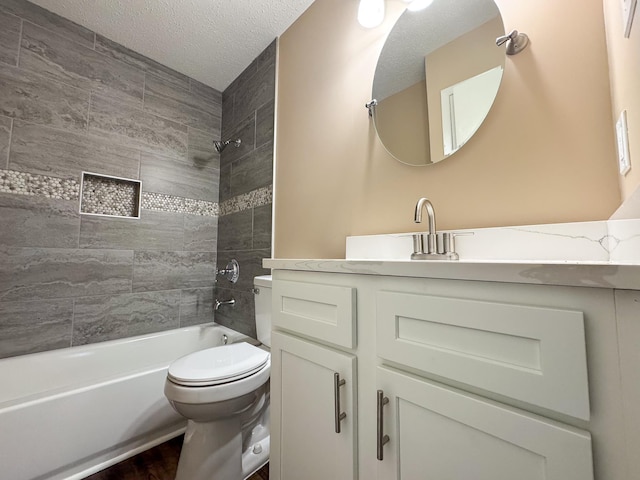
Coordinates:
68 413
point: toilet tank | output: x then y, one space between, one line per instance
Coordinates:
262 298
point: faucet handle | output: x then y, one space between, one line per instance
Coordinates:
447 242
418 243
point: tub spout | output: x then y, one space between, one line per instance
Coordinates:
219 303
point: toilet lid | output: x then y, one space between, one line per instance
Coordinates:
218 365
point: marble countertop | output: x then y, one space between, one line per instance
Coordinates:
567 273
600 254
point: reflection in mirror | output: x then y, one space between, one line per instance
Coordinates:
436 79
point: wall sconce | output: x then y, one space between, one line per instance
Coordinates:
516 42
371 12
417 5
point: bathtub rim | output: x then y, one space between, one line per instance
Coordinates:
13 401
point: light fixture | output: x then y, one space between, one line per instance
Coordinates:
416 5
371 13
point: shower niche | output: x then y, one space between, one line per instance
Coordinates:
109 196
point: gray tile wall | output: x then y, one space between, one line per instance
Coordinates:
71 100
246 179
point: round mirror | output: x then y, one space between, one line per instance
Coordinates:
436 79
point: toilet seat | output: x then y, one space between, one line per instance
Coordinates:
218 365
189 382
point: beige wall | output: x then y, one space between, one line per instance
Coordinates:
402 124
465 57
544 155
624 63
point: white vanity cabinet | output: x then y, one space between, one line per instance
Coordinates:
482 380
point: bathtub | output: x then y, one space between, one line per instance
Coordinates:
69 413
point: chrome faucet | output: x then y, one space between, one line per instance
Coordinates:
217 304
439 246
431 235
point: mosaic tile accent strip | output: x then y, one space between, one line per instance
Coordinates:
110 196
256 198
163 203
21 183
202 207
169 203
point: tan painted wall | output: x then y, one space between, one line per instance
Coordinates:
463 58
544 155
624 63
403 124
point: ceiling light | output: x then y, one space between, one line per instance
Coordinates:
416 5
371 13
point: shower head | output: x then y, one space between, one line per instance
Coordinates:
220 146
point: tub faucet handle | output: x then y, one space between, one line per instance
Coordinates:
231 272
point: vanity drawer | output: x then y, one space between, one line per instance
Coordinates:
529 353
320 311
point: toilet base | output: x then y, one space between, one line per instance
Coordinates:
255 457
210 450
229 446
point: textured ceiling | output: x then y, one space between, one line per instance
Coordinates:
212 41
415 34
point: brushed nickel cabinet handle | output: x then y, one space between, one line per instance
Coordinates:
382 439
339 416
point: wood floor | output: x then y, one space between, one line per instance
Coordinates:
159 463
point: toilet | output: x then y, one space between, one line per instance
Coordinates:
223 392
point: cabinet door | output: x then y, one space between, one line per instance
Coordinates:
305 400
440 433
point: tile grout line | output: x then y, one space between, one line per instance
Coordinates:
184 229
10 140
253 227
20 42
255 131
133 269
188 156
86 127
180 310
73 320
63 35
80 218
